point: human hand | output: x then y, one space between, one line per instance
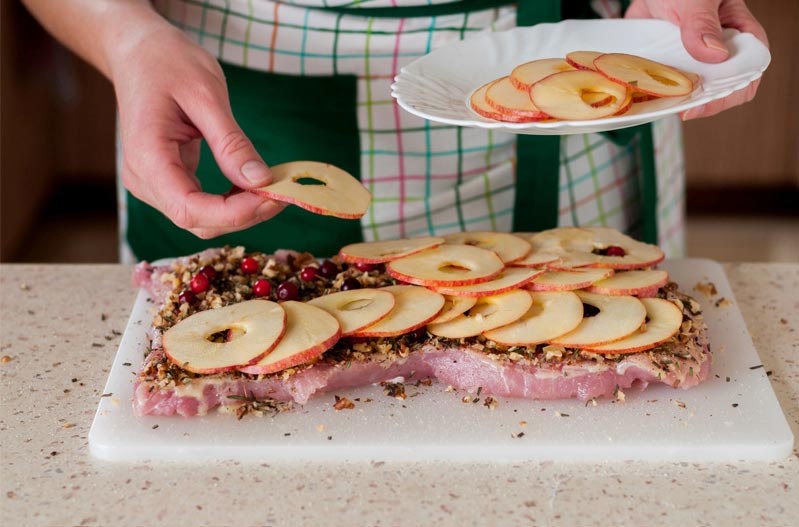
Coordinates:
171 93
701 23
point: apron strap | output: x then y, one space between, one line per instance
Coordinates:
538 156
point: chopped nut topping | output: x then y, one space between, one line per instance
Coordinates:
706 288
342 403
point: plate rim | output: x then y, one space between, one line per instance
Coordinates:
406 76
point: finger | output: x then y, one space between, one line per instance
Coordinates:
712 108
190 155
700 29
238 212
638 9
736 14
161 180
235 154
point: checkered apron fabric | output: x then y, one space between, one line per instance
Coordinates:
428 178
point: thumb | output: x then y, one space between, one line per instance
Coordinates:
701 31
232 149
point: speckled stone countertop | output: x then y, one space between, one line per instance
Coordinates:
61 327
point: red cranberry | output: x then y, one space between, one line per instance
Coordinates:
308 274
209 272
187 297
199 283
249 265
615 250
328 269
262 287
287 291
350 283
418 334
365 267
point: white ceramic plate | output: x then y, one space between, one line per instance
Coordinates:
437 86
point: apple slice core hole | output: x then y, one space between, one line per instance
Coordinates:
661 79
307 180
453 267
355 305
589 310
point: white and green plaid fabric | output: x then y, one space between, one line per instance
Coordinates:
428 178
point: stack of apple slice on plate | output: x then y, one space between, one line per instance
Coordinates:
585 288
585 85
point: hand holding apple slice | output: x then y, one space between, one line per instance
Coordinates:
488 313
310 331
664 320
356 309
259 324
329 190
414 307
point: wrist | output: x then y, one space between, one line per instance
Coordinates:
128 26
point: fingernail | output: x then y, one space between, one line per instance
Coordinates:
256 172
266 210
713 42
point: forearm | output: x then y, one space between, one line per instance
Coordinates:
97 30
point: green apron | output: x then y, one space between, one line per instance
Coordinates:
273 110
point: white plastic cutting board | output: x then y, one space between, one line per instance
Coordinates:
700 424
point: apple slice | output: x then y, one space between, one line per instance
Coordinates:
628 253
561 95
454 306
552 315
525 75
635 283
596 99
481 107
568 280
414 307
509 278
381 252
643 75
536 260
357 308
506 99
595 247
642 97
663 321
626 105
260 323
572 245
310 331
447 265
488 313
582 60
330 191
618 317
507 246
